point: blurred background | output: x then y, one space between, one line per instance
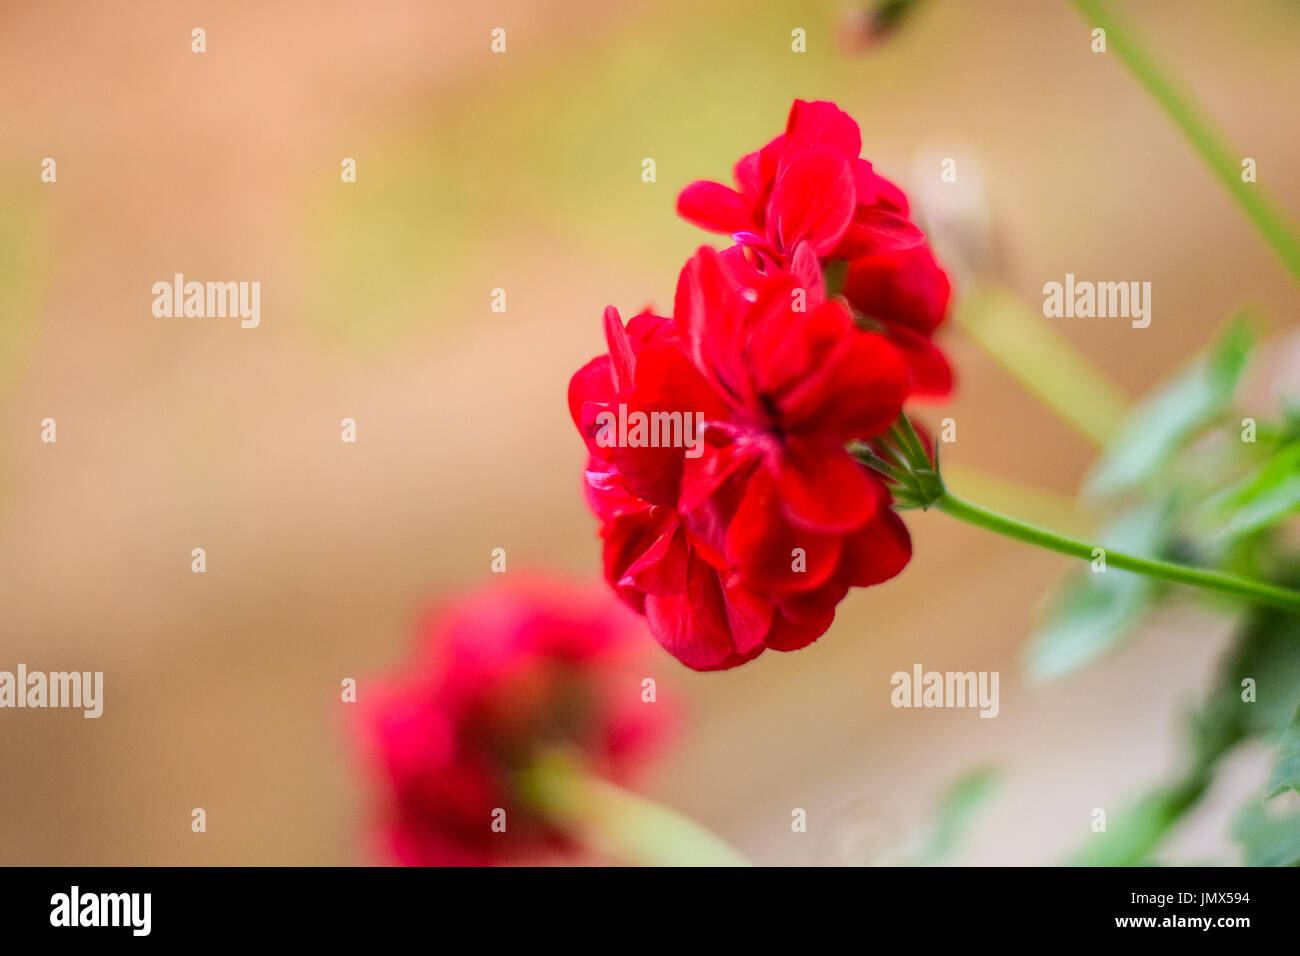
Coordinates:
523 171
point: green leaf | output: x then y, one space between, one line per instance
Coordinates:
957 806
1286 772
1095 611
1135 832
1267 654
1267 496
1166 418
1267 838
1267 651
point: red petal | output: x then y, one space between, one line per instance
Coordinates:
890 196
761 543
824 489
657 566
789 633
906 287
928 371
756 172
821 124
673 401
701 476
807 269
813 201
622 362
715 207
708 311
591 383
634 544
646 328
748 617
691 621
875 229
879 551
788 347
856 393
867 182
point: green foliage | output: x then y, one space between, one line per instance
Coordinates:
1270 653
1196 492
1267 651
957 806
1286 772
1163 422
1135 832
1268 838
1093 612
1264 497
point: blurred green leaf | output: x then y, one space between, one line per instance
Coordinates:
957 805
1286 772
1268 838
1095 611
1266 496
1267 654
1135 832
1165 419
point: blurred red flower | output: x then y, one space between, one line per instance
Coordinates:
501 679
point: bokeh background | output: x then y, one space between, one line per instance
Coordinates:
523 171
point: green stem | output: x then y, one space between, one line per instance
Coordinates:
1164 570
618 823
1036 505
1199 130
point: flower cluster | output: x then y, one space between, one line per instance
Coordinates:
811 331
504 679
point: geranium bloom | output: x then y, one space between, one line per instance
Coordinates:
500 680
752 543
650 559
810 188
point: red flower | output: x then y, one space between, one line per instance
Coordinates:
809 188
650 559
807 185
752 542
806 335
501 679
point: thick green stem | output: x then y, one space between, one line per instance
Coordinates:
620 824
1164 570
1199 130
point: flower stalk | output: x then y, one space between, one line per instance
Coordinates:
1200 132
916 483
620 824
